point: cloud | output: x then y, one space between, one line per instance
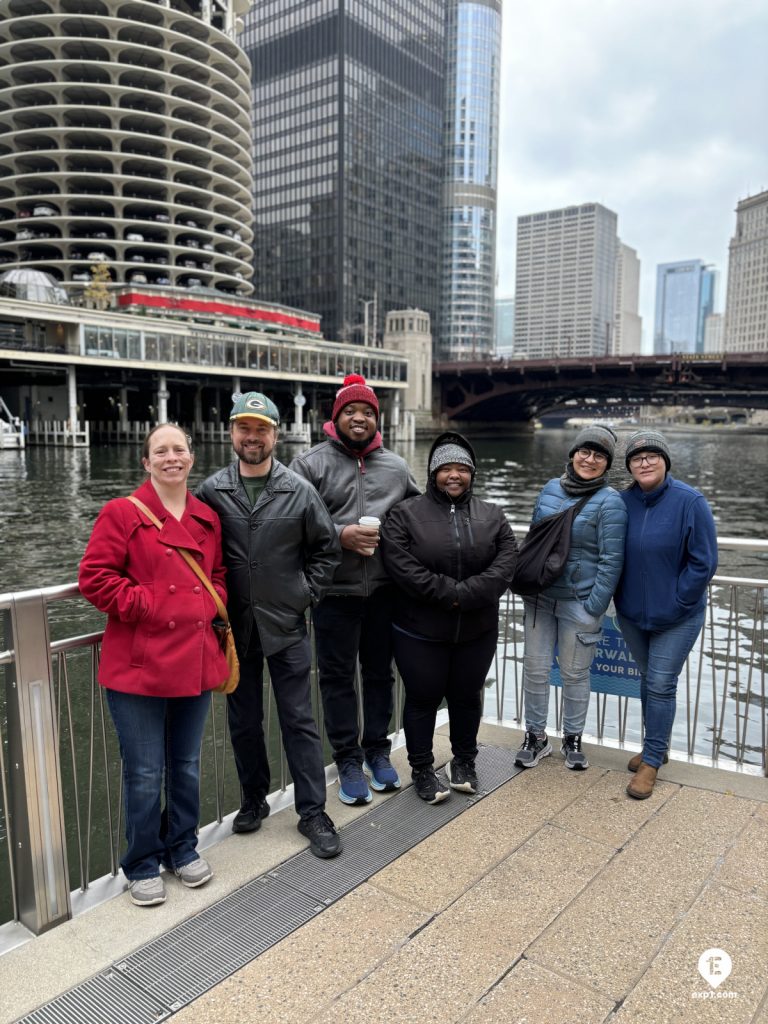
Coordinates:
656 109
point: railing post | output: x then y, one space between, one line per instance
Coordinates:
36 805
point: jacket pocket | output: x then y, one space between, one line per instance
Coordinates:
139 646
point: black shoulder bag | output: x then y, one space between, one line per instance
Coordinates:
544 552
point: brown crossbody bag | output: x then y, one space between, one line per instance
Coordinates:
223 630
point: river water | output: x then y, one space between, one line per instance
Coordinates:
49 497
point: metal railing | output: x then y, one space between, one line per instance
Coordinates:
61 814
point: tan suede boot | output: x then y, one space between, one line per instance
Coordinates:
635 762
641 786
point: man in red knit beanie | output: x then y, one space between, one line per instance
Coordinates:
356 476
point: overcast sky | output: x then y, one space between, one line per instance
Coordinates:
658 109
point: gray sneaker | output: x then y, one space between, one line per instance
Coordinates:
571 750
147 892
532 750
197 872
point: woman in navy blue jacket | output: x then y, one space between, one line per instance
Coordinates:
670 557
570 612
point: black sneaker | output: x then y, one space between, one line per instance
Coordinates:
324 840
428 786
532 750
571 749
250 815
462 775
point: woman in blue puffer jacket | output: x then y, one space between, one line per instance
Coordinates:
570 612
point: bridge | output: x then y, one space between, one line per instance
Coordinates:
517 390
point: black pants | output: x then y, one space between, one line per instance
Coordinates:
346 627
432 672
289 672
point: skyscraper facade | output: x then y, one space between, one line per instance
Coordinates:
375 139
746 310
126 141
505 327
685 296
471 143
348 111
566 282
627 333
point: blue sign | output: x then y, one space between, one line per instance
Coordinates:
614 670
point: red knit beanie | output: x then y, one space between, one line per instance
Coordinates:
354 389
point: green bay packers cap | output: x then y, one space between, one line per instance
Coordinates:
253 403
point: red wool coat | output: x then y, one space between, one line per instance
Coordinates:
159 641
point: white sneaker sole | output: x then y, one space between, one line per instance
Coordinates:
460 787
532 764
438 798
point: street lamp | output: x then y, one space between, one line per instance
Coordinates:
366 303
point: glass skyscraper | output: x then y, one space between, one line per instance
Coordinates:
471 141
361 111
685 296
348 113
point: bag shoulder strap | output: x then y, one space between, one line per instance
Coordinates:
188 558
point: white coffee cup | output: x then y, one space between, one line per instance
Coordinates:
372 524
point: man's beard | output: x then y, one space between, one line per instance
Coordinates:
352 442
253 457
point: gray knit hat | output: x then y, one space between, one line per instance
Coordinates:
448 453
647 441
599 438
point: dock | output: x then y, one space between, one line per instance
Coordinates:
553 897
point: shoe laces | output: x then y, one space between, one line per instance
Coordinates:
573 742
530 741
320 822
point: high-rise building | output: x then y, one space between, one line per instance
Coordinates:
746 308
505 327
126 141
375 140
685 296
465 328
714 333
628 324
566 282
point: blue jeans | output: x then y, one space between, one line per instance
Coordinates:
660 655
160 740
346 627
576 633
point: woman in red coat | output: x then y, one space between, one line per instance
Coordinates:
160 657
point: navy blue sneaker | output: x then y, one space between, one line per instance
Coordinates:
381 771
353 787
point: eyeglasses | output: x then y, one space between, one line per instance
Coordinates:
651 458
587 453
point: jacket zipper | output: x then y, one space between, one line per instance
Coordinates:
644 576
455 522
361 512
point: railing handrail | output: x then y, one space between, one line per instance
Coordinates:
63 591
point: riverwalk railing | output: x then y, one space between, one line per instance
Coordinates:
61 813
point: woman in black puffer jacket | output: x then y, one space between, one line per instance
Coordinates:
452 557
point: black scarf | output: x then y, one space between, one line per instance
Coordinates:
575 487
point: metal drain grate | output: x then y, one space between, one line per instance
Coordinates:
161 977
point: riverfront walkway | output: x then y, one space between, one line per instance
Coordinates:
554 898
